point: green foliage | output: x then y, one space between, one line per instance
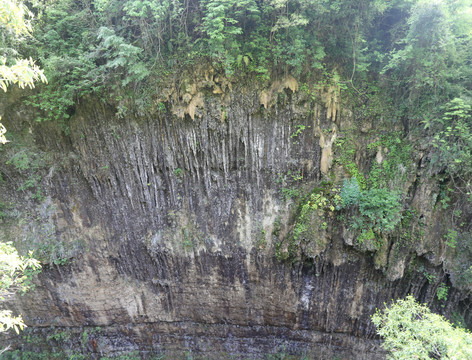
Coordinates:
16 274
29 164
121 56
290 184
346 150
373 211
365 236
350 192
421 57
178 172
372 206
379 208
290 193
309 223
410 229
222 22
299 129
24 160
442 291
51 251
261 237
58 343
395 167
451 238
65 44
85 46
60 336
318 202
453 140
128 45
411 331
15 22
426 65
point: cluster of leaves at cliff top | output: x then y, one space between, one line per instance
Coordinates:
417 50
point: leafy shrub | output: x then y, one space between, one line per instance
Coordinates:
377 210
122 56
411 331
16 274
451 238
453 138
366 235
350 193
395 167
442 292
381 208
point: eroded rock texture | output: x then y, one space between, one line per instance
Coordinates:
173 221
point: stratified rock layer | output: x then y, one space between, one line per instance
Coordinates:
177 218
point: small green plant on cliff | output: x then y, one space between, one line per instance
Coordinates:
411 331
298 130
453 140
289 182
178 172
311 219
451 238
261 234
442 292
59 336
29 164
366 235
345 151
350 192
395 163
372 211
316 202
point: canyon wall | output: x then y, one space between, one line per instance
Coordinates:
162 229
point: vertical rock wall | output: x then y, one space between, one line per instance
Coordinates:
178 214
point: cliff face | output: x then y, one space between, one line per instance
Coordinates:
163 230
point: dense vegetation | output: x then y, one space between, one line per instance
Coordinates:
412 56
420 46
